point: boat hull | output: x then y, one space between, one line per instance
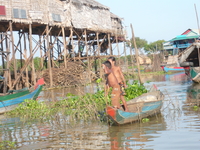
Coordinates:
139 108
174 69
9 102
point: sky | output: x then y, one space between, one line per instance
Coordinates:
154 20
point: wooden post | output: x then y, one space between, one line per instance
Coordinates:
65 46
88 60
3 66
33 76
25 52
197 18
72 40
8 75
49 58
41 55
136 53
13 52
132 60
98 49
109 44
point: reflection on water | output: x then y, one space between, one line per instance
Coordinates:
134 136
193 94
177 127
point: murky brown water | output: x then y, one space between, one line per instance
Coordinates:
176 128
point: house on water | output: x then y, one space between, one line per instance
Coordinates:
181 42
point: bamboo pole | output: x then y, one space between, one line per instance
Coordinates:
109 43
197 18
13 51
8 75
33 76
98 51
65 46
49 58
41 55
25 53
136 53
88 60
3 66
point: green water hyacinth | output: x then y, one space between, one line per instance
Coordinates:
134 90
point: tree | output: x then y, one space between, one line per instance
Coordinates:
141 43
154 46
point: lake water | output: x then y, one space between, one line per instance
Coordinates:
177 127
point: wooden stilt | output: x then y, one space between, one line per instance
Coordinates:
25 55
65 47
41 55
8 75
49 58
109 44
99 60
88 60
33 76
13 52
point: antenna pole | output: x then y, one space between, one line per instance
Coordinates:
197 17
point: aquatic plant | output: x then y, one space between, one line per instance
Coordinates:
7 145
85 106
134 90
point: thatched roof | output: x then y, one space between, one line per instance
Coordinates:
90 3
80 14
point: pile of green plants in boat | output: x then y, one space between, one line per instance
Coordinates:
76 107
134 90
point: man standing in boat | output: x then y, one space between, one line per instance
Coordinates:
111 81
120 78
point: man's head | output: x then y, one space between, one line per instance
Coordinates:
112 60
107 64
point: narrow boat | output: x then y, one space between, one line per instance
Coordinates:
189 59
172 69
11 101
146 105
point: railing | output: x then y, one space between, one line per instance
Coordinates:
183 45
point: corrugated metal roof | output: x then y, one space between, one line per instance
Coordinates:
184 37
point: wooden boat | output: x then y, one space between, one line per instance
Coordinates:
173 69
9 102
146 105
189 59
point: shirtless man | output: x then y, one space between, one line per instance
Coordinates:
111 81
120 78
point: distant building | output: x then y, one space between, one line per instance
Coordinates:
144 60
181 42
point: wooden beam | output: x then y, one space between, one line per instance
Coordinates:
33 75
49 57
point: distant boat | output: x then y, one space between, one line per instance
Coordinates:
146 105
172 69
11 101
189 59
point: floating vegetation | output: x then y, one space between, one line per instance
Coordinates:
134 90
82 107
195 108
7 145
145 120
